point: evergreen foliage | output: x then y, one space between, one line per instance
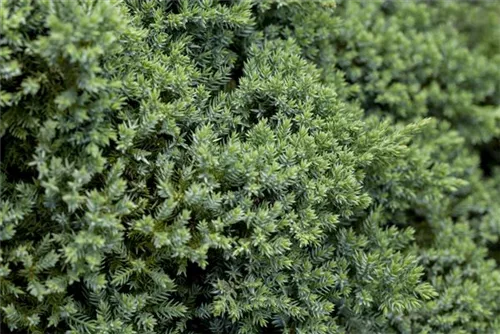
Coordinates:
278 166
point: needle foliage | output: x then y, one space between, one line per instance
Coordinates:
276 166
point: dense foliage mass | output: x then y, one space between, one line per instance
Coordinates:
271 166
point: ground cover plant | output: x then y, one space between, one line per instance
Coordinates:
276 166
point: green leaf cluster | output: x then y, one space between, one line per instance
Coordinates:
202 166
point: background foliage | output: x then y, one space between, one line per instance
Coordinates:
271 166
